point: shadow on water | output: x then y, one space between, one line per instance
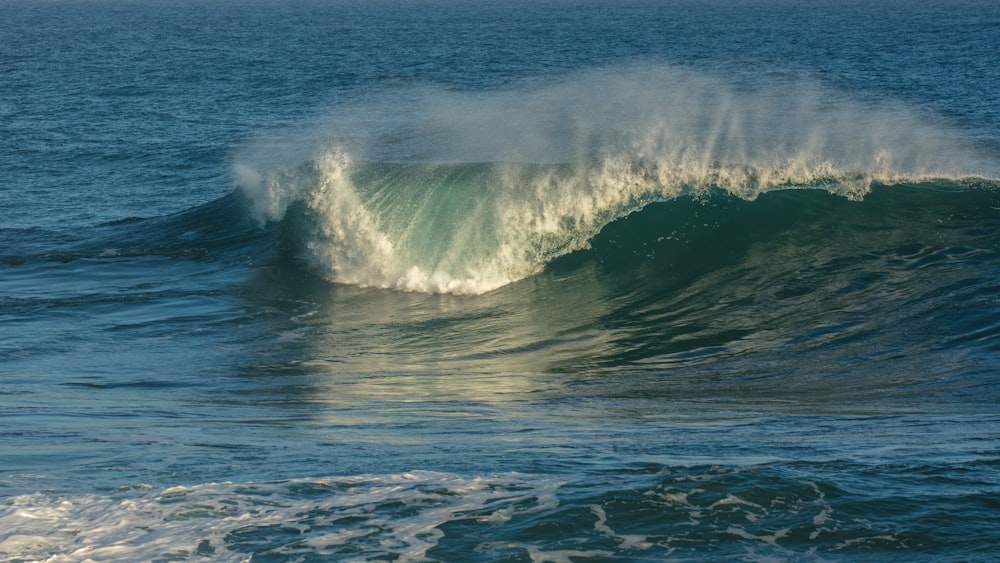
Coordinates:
804 297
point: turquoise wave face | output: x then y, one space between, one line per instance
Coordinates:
470 228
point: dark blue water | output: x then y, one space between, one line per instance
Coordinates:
556 281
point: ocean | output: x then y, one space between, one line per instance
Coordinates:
447 280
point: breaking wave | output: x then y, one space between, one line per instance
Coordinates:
434 191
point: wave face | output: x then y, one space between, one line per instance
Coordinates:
433 191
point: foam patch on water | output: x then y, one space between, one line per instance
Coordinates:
395 516
733 513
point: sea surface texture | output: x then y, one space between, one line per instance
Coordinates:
450 280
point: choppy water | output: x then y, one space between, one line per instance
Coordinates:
575 281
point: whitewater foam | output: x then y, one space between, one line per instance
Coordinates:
331 517
465 193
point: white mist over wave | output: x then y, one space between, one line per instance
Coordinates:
436 191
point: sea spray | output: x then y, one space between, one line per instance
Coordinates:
435 191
